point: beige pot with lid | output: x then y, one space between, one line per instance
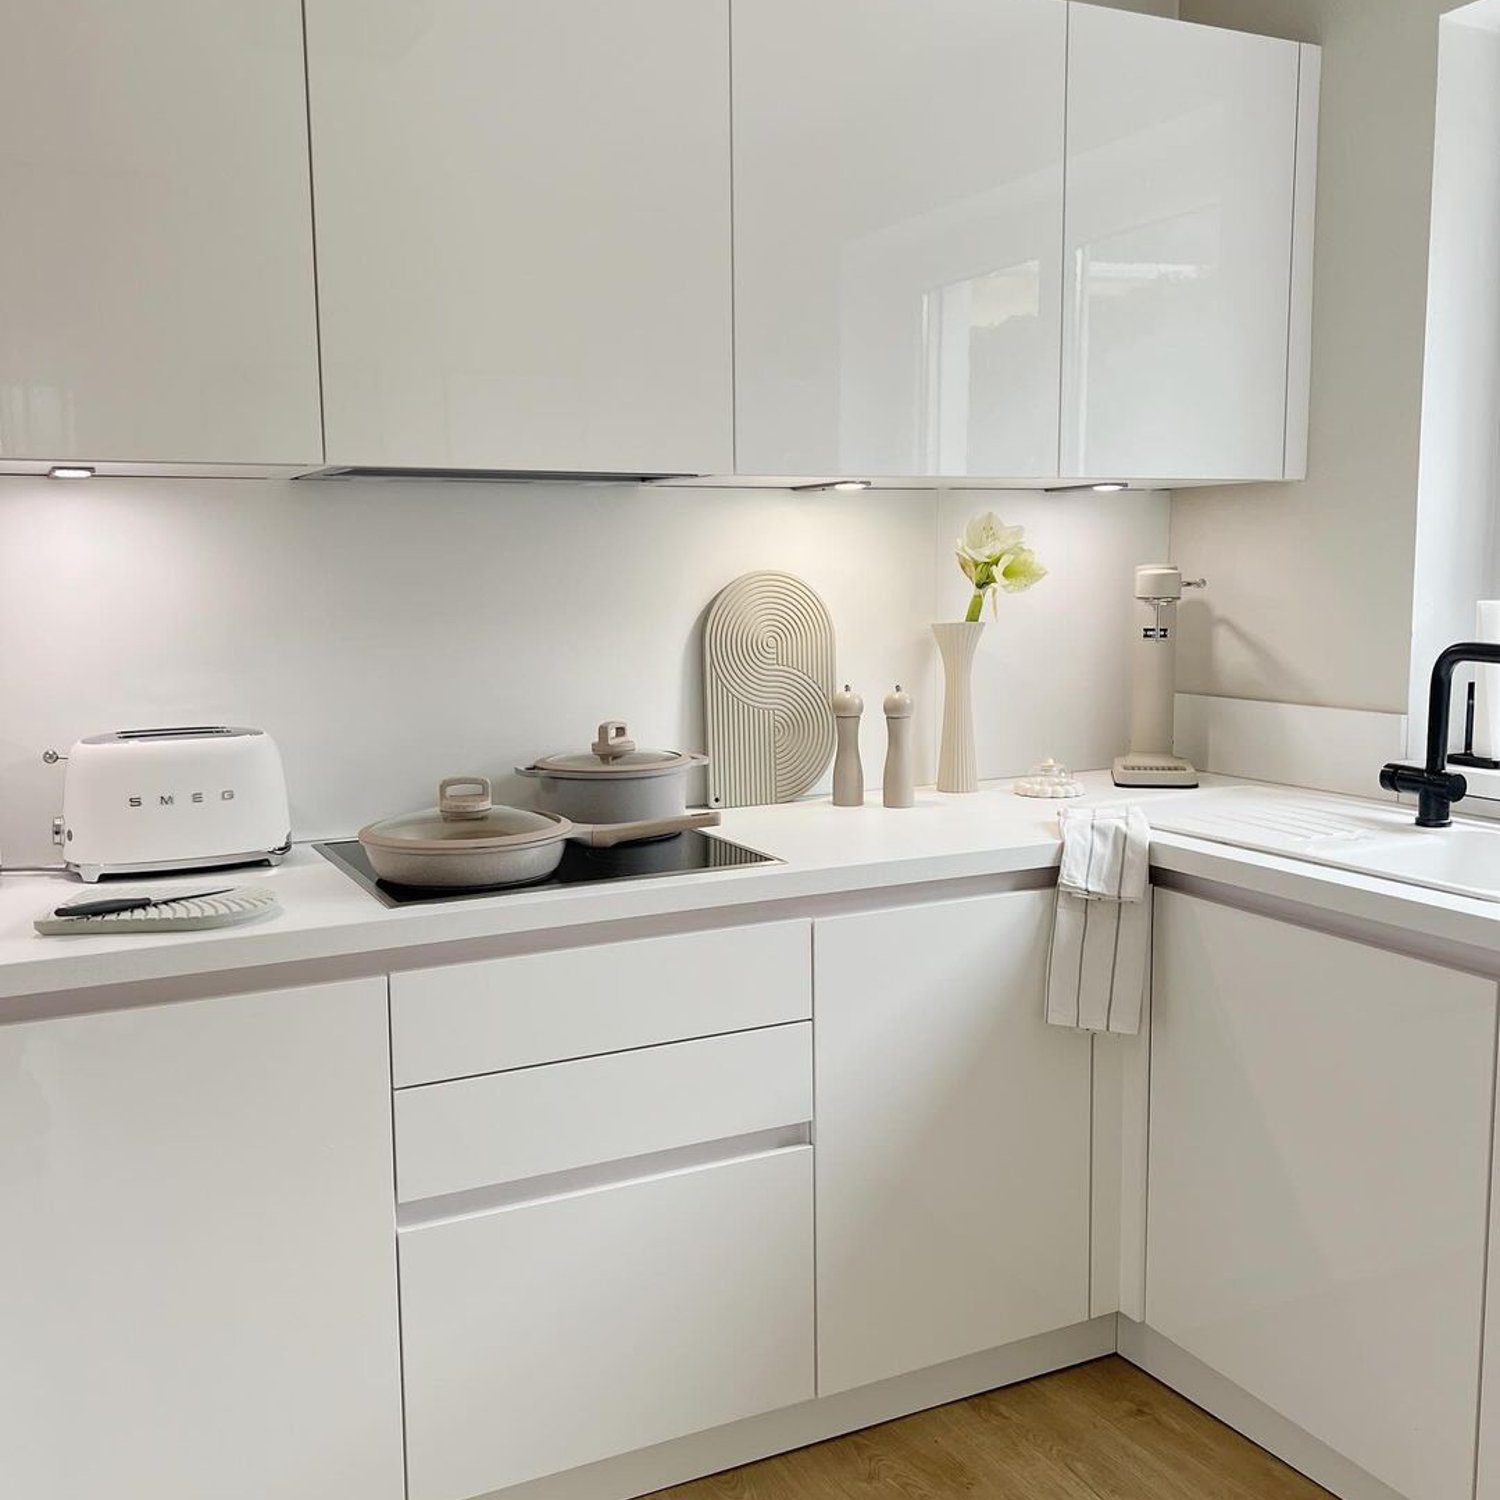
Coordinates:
469 841
614 781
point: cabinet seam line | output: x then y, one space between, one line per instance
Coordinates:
734 312
1093 1154
1146 1144
1484 1280
1062 319
812 965
390 1055
1291 273
312 224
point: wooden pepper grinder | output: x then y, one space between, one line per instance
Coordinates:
900 777
848 770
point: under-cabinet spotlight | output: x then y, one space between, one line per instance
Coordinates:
832 484
1104 487
1112 487
70 471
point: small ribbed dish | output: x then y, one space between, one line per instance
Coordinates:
248 903
1050 779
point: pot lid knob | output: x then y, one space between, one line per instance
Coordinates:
613 741
457 806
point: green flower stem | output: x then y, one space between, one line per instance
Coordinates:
976 607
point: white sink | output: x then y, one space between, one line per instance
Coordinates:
1366 838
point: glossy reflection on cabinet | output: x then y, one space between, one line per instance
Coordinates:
523 233
1182 173
156 284
898 234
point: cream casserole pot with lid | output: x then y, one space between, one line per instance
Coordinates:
614 781
467 840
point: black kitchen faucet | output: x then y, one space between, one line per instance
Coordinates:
1437 787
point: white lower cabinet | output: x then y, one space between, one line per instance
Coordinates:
542 1335
1319 1177
197 1274
952 1138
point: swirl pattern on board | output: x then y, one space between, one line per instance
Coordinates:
768 665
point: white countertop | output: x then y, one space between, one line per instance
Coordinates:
824 851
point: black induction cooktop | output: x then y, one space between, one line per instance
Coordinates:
686 853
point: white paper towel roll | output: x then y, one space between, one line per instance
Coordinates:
1487 683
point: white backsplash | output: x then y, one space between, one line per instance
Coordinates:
389 633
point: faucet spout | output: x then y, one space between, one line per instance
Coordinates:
1437 788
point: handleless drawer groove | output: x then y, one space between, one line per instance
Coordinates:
467 1020
427 1212
507 1128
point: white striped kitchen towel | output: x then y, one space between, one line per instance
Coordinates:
1101 934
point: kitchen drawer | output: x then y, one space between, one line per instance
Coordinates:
546 1007
481 1132
550 1334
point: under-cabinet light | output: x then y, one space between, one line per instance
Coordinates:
832 484
1103 487
70 471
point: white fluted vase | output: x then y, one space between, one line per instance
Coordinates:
958 766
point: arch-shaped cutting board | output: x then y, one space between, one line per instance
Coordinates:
768 665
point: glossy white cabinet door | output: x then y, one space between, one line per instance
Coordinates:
1182 158
156 278
1319 1172
898 236
523 232
550 1334
952 1138
198 1266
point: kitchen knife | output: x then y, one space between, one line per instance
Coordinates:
106 906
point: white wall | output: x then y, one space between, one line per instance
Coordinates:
388 634
1459 476
1310 584
1052 673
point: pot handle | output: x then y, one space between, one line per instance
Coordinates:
457 806
607 835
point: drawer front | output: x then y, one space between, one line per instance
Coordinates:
547 1007
481 1132
552 1334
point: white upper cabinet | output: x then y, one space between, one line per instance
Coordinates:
1189 207
156 280
898 236
523 233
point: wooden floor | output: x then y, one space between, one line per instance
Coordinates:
1102 1431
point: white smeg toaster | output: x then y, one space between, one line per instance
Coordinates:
173 799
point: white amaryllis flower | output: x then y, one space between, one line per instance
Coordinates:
992 556
986 539
1019 571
